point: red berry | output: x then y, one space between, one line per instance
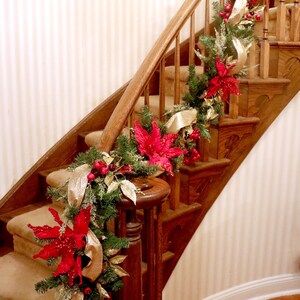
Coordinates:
222 14
126 170
258 17
249 16
225 20
228 7
103 170
87 291
98 164
227 15
91 177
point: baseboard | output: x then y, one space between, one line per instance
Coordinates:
266 288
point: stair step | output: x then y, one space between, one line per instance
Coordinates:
194 180
38 217
226 136
251 99
154 104
183 72
18 276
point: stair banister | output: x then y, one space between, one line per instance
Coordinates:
136 86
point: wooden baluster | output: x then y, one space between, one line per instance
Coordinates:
159 252
162 89
174 199
192 40
281 21
146 95
264 46
207 15
154 193
221 3
149 223
252 61
234 106
133 266
295 19
203 148
177 71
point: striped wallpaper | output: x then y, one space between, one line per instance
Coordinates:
61 58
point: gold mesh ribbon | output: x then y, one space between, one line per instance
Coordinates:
93 250
181 119
238 11
241 56
77 185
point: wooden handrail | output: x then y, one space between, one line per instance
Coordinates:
142 76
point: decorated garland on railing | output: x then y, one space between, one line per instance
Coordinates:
87 254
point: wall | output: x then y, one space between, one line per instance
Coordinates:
249 242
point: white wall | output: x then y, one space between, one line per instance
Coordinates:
249 242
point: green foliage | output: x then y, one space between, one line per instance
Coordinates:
88 157
44 285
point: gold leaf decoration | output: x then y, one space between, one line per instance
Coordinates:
118 259
128 189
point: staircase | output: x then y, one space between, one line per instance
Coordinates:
193 191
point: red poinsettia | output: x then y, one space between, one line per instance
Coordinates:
66 242
223 82
158 148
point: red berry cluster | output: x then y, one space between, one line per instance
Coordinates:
191 156
100 168
225 13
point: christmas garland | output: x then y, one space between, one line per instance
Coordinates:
86 252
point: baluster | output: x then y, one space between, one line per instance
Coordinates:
162 89
264 46
234 106
154 193
203 148
192 40
252 61
281 20
295 19
177 71
146 95
132 266
207 15
174 199
221 3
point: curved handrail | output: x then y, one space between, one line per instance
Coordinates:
137 84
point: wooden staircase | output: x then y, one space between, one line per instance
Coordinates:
194 189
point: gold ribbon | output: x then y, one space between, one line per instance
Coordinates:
241 56
93 250
181 119
77 185
77 296
238 11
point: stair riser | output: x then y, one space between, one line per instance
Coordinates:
29 249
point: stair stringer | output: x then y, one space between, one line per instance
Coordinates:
267 114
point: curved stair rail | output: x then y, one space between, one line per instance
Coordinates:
142 77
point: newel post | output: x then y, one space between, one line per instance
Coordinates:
154 192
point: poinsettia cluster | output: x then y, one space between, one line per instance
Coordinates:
223 84
156 147
65 242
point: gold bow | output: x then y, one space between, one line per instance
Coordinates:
181 119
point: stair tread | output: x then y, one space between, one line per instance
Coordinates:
154 103
205 166
183 209
38 217
183 71
264 81
8 216
18 276
226 121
